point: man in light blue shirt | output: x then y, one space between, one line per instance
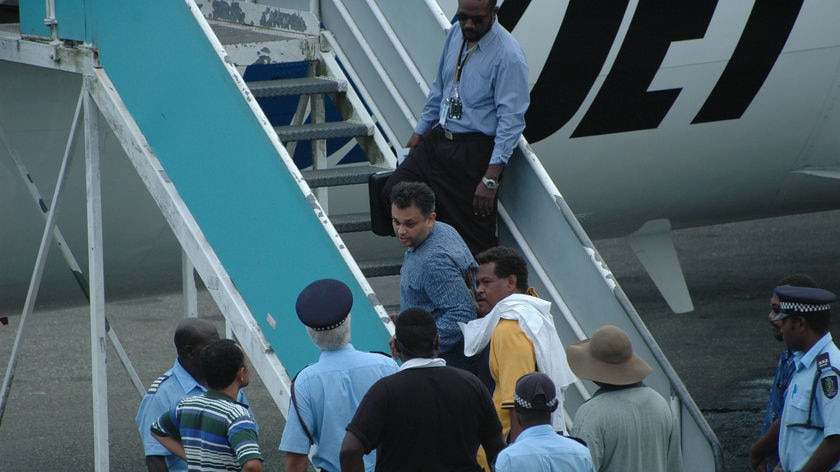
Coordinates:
183 380
471 123
538 447
325 395
435 270
809 439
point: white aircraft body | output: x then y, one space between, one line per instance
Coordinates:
649 116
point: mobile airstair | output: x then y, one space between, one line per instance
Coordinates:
171 81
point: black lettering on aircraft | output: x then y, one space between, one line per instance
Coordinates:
623 103
764 36
588 31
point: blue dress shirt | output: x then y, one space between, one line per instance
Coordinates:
493 87
432 278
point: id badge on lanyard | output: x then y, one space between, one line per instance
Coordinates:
452 106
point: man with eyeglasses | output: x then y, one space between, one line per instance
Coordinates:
764 454
809 437
471 123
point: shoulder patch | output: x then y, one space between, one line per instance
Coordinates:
829 386
153 388
823 361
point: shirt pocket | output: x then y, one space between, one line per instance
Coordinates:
798 406
477 90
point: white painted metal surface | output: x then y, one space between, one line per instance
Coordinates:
96 271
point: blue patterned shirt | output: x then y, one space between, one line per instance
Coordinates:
433 278
493 89
784 371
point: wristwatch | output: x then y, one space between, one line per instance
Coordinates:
490 183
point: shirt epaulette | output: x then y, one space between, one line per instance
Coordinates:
153 388
828 383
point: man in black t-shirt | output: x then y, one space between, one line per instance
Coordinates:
425 417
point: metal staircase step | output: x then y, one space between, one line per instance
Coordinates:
342 175
351 222
299 86
232 34
381 267
329 130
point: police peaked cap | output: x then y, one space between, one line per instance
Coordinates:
324 304
802 301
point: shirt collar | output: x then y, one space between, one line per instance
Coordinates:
222 396
537 430
187 381
421 363
346 347
809 357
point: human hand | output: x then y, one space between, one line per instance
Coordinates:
484 201
414 140
392 343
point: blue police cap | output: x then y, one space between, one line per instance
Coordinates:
802 300
324 304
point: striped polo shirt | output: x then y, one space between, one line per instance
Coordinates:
217 432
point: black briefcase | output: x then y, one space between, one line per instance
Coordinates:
380 220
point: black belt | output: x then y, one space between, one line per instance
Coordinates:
457 137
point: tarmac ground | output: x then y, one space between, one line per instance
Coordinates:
723 350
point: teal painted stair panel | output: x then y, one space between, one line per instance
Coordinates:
225 167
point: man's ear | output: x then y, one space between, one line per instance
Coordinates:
511 282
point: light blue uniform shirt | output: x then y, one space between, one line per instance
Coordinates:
163 395
798 442
327 394
540 449
493 88
432 278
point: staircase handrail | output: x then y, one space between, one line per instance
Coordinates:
684 404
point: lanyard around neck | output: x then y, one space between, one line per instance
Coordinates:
461 63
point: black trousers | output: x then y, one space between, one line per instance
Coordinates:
452 168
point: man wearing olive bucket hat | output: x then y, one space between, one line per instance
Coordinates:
627 425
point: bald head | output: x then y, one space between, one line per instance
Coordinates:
191 335
194 331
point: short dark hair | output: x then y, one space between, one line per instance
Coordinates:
508 262
819 321
491 3
798 280
419 194
220 362
194 333
416 332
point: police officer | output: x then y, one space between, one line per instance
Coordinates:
810 422
325 394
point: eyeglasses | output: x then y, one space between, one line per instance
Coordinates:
476 19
